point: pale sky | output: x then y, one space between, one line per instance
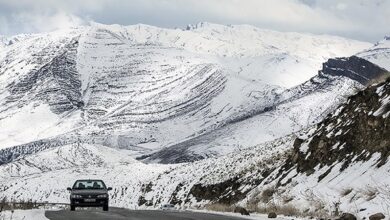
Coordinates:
367 20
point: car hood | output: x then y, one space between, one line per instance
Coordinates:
89 191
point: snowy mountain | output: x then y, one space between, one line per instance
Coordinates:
146 88
255 114
379 53
343 159
292 110
3 40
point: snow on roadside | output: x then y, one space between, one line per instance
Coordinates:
254 216
34 214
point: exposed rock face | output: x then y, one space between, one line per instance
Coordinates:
57 83
377 216
358 129
347 216
227 192
353 67
272 215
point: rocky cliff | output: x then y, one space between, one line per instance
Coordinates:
357 131
353 67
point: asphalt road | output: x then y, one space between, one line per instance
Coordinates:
122 214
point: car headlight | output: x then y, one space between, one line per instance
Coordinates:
102 196
76 196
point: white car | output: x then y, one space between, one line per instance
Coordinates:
167 207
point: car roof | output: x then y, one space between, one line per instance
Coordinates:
89 180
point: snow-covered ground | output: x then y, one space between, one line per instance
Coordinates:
60 167
240 177
379 53
34 214
157 184
301 107
232 94
147 88
44 176
254 216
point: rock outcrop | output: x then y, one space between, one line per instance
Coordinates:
353 67
377 216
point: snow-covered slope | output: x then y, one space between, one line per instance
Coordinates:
379 53
343 159
146 88
83 102
290 111
34 214
45 175
3 41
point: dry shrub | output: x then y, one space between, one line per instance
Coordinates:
252 205
370 193
219 207
267 195
346 191
286 209
287 199
6 205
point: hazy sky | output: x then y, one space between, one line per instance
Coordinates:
359 19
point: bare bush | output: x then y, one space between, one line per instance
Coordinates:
319 208
288 210
287 198
267 194
346 191
220 207
369 192
285 209
7 205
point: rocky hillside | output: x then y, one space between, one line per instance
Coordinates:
358 131
346 157
343 160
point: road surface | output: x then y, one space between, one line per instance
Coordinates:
122 214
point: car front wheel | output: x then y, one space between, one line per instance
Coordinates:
105 208
72 208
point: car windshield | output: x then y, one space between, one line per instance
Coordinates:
89 184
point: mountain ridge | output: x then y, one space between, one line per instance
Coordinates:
108 60
249 119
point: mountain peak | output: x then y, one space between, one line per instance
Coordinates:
203 24
385 42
